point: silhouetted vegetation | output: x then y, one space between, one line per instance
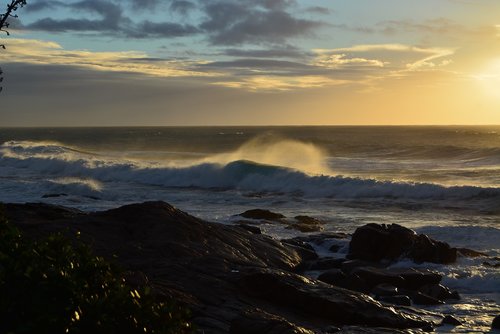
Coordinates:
55 286
4 23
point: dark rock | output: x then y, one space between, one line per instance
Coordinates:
438 291
470 252
340 306
451 320
355 283
425 249
374 276
415 278
496 322
260 322
489 264
422 299
305 250
308 220
375 242
326 263
350 265
54 195
217 270
396 300
332 276
385 289
262 214
250 228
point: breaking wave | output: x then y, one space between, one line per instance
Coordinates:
55 161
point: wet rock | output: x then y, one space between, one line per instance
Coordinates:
262 214
218 271
308 220
396 300
489 264
385 289
332 276
305 250
376 242
496 322
425 249
250 228
260 322
470 252
451 320
322 300
415 278
326 263
54 195
422 299
350 265
375 276
438 291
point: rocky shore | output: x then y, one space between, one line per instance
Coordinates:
237 280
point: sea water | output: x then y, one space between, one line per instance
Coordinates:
441 181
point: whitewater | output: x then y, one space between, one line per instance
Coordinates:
441 181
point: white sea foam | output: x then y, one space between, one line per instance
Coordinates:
56 161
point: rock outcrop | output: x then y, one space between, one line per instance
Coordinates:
234 280
377 242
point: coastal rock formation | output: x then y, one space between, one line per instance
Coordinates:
377 242
227 275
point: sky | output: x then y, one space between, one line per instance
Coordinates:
251 62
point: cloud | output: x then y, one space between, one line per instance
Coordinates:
236 23
279 83
278 52
50 53
222 22
389 55
318 10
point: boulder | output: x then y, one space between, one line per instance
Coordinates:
263 215
450 320
376 242
496 322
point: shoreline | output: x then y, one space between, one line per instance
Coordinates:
247 272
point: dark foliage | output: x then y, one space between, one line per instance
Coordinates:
56 286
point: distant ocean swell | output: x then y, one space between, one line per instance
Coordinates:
69 167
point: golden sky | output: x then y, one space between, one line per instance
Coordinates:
264 62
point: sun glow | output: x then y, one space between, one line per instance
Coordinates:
490 79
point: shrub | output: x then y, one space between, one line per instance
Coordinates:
56 286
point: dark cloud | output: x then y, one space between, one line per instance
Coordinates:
43 5
238 23
148 29
318 10
223 22
182 6
144 4
286 52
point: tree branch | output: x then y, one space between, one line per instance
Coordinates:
11 8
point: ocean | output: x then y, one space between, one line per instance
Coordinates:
441 181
